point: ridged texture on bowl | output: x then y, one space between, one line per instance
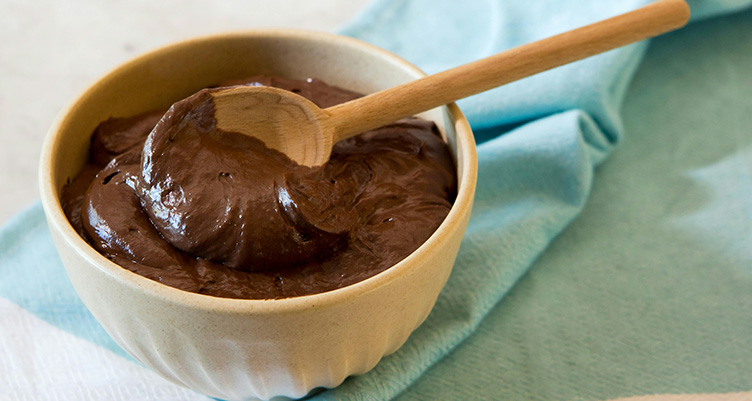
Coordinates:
239 356
247 349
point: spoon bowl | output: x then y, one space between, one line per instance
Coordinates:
283 120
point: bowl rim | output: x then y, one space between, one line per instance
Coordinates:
58 221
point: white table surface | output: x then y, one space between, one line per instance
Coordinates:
50 50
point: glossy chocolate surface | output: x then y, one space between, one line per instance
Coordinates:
218 213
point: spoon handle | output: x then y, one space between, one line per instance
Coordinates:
426 93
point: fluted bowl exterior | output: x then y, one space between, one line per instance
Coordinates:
251 349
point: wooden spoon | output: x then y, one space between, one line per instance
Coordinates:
295 126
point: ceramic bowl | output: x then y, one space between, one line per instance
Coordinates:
251 349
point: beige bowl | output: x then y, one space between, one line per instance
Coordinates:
246 349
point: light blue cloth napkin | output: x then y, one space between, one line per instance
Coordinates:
649 291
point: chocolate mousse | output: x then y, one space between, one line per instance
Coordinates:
171 197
